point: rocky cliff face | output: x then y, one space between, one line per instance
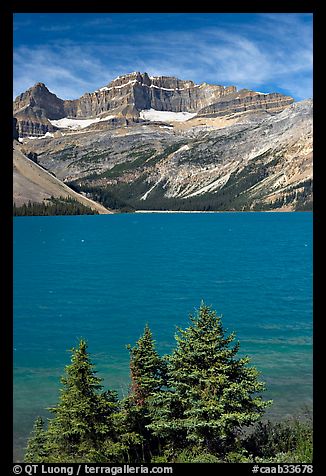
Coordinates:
34 108
127 95
134 92
259 161
166 143
245 101
33 126
41 101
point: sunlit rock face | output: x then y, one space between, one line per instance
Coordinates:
129 94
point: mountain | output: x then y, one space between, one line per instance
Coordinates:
33 183
37 109
163 143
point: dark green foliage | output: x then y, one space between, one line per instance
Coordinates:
236 194
69 152
129 166
304 197
83 428
131 193
90 158
292 439
104 196
147 372
212 393
31 156
36 451
233 196
300 195
147 369
200 404
141 160
196 455
169 150
55 206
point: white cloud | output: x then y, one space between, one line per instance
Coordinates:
274 52
66 71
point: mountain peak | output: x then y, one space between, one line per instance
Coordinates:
129 94
40 86
36 106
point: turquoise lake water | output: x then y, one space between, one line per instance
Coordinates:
104 277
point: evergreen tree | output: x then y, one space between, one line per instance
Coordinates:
84 426
147 372
146 368
55 206
36 446
212 393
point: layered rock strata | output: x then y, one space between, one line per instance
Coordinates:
129 94
255 162
246 101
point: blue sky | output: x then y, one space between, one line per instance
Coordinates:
77 53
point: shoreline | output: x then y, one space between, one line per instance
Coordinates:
139 212
223 211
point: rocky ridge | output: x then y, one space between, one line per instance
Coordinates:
37 109
256 161
35 184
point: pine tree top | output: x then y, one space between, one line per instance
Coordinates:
146 368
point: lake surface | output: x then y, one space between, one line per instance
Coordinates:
104 277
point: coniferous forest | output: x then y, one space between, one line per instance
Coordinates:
54 206
202 403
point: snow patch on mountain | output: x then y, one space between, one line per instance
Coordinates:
68 123
165 116
47 134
